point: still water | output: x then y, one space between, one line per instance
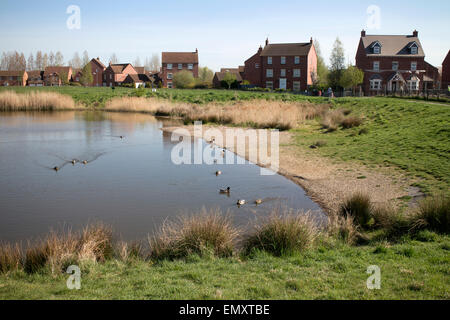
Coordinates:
129 183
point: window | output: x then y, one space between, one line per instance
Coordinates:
169 85
269 85
283 60
296 73
180 66
110 77
414 50
376 49
413 85
269 60
376 66
283 73
297 60
169 66
375 84
413 66
296 86
269 73
395 66
256 65
190 66
169 76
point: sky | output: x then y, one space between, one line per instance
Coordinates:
226 33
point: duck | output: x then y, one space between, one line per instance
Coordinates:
241 202
56 169
74 161
85 162
258 201
218 173
225 191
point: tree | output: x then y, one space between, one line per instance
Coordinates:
86 76
86 59
38 62
229 79
205 75
153 64
51 59
59 59
76 62
183 79
44 61
113 59
64 77
337 64
351 78
30 62
137 62
320 79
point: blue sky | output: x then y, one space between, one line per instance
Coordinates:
225 32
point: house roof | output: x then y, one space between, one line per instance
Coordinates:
57 70
118 68
221 75
135 78
229 70
97 60
140 70
286 49
35 73
392 45
9 73
180 57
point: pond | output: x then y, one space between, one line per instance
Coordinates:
129 183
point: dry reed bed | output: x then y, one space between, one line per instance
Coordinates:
35 101
257 113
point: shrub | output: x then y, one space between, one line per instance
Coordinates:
96 243
332 119
351 122
434 213
360 208
394 223
283 234
342 228
183 79
10 257
196 234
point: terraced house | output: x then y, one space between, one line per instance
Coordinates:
115 74
173 62
57 76
288 66
393 63
13 78
446 72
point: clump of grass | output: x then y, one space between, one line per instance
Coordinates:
10 257
36 258
332 119
96 243
363 131
359 207
127 252
195 234
318 144
434 213
351 122
35 101
283 234
342 228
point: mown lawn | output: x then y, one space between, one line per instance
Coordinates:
409 270
411 136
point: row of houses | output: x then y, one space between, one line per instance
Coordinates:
391 63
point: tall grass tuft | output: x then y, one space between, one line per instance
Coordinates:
35 101
342 228
95 243
434 213
351 122
196 234
359 207
283 234
10 257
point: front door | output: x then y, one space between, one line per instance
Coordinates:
283 84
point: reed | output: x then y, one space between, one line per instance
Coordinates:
35 101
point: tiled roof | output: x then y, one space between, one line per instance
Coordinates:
140 69
118 68
97 60
57 70
35 74
392 45
221 75
11 73
180 57
286 49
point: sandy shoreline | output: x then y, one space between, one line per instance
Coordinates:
325 181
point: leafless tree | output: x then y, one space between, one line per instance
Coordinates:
137 62
85 58
59 59
114 59
30 62
76 61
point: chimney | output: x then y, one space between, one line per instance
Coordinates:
415 33
260 49
196 50
311 41
363 33
267 41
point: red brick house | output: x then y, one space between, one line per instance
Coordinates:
288 66
57 76
432 78
13 78
35 78
445 85
392 63
115 74
219 76
97 69
173 62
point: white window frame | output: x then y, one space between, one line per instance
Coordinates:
296 85
413 85
283 73
180 66
414 50
283 60
169 66
414 66
269 73
375 84
169 85
297 73
395 63
169 76
297 60
269 85
377 49
269 60
190 66
256 65
376 66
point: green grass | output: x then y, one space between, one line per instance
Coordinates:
411 136
409 270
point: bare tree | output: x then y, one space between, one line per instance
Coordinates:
30 62
137 62
39 61
155 63
76 62
113 59
44 61
51 59
59 59
85 58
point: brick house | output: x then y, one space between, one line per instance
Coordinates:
35 78
97 69
53 76
432 77
219 76
392 63
13 78
289 66
173 62
115 74
445 84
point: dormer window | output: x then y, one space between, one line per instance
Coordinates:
376 48
414 50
